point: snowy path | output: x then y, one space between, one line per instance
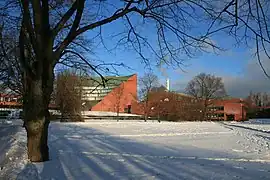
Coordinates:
139 150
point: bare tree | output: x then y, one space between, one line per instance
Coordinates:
147 83
173 106
48 31
258 99
118 94
206 87
10 70
265 99
69 96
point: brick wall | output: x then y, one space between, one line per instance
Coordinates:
236 109
120 97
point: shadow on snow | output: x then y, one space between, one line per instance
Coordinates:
86 153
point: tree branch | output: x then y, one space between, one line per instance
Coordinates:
84 60
72 36
65 18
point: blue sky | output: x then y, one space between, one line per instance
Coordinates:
236 65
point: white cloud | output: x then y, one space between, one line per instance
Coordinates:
252 78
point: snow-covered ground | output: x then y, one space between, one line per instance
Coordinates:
148 150
13 156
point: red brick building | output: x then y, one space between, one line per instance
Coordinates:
120 95
179 106
9 100
228 109
122 98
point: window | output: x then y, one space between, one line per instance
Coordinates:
216 108
216 116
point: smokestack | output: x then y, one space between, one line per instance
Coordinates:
168 84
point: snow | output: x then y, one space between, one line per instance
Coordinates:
258 124
15 114
13 156
149 150
254 132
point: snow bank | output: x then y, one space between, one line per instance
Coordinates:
13 152
258 121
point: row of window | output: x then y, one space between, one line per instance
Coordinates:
97 91
217 115
8 99
216 108
91 98
98 88
94 95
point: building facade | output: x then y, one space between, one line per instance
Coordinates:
7 100
227 109
180 106
118 94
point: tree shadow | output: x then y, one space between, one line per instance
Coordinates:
11 150
258 121
87 153
245 127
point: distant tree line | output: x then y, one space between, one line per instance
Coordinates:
259 99
258 104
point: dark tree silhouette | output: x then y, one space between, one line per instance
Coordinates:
147 83
206 87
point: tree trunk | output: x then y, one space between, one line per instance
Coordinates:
37 137
204 113
35 104
146 110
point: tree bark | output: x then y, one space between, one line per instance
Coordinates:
146 109
204 113
35 104
37 138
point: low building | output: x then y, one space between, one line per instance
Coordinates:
9 100
227 109
180 106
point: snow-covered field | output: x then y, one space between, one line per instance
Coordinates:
143 150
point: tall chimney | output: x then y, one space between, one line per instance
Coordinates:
168 84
